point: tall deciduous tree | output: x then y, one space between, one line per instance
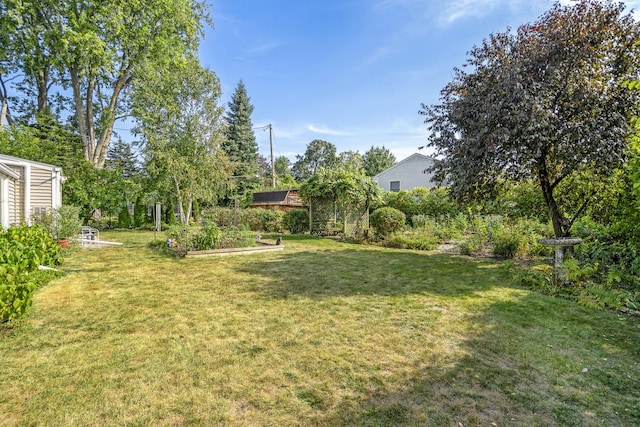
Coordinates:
182 127
351 161
319 154
378 159
544 103
96 49
240 140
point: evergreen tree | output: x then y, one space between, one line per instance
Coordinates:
121 157
240 141
378 159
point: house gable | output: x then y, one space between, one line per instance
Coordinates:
407 174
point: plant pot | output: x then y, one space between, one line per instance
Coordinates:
64 243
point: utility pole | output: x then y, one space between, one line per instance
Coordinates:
273 168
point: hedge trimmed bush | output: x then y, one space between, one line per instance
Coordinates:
387 220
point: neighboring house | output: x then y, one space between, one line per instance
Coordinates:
278 200
27 188
407 174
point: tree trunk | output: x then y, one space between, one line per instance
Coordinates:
82 127
108 118
42 80
547 192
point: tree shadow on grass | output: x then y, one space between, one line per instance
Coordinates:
520 359
536 362
332 273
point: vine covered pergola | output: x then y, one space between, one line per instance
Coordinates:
339 201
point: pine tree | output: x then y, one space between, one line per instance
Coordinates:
120 156
240 141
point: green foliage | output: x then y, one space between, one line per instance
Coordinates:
319 154
96 51
140 212
505 245
421 239
401 200
518 200
351 192
240 141
182 131
124 219
208 237
431 202
16 290
377 159
387 220
544 103
66 222
22 250
296 221
435 202
538 278
261 220
611 262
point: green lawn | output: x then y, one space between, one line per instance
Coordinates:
321 333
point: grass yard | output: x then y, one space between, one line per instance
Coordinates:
321 333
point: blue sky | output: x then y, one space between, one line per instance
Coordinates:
351 72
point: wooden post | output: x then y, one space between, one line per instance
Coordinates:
158 216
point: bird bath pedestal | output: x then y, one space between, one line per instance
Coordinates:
559 245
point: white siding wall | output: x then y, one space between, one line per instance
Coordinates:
39 186
409 172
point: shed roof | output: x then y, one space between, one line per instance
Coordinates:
277 196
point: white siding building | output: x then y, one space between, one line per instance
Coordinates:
407 174
27 188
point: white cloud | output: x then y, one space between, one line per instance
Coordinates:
460 9
327 131
265 47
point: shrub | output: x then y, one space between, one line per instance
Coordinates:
268 221
296 221
208 237
434 202
236 237
253 219
15 292
387 220
219 216
124 219
22 250
415 239
506 245
140 213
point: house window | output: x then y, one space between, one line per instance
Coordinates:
394 186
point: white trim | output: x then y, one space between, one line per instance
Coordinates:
4 202
27 193
56 188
